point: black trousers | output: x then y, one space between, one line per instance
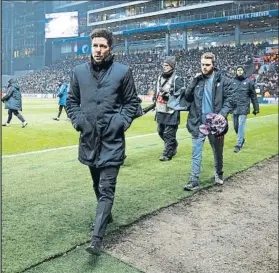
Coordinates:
168 135
60 110
104 184
16 113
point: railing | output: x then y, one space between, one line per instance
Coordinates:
195 17
148 7
105 4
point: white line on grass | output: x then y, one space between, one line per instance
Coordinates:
127 138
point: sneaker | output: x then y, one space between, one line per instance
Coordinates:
243 142
68 119
236 149
56 119
6 124
191 186
110 220
218 179
95 247
24 124
164 158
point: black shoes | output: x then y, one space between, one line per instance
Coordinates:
168 158
164 158
110 220
95 247
236 149
191 186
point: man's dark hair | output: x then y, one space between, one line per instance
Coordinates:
103 33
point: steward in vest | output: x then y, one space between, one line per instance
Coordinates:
169 86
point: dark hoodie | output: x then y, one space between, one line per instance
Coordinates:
12 98
243 91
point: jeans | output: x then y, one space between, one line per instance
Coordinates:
104 183
217 145
239 124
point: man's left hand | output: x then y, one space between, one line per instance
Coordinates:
219 117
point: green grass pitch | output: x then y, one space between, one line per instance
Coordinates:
47 196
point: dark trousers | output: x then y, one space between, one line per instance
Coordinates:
60 110
16 113
168 135
104 183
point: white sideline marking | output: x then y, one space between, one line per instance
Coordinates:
127 138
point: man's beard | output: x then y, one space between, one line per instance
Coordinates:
240 76
167 74
208 73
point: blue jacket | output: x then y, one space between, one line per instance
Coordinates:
62 94
13 97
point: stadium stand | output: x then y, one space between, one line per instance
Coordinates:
147 65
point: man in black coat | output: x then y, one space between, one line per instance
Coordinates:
13 102
102 103
169 85
243 92
209 92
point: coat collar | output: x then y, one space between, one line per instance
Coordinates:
108 60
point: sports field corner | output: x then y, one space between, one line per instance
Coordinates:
48 201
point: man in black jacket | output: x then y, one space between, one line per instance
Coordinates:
243 92
13 102
209 92
168 85
102 103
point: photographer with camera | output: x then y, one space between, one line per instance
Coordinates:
168 85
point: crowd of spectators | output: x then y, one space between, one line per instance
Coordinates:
267 82
146 67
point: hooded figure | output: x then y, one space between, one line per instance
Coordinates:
12 98
243 92
13 102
